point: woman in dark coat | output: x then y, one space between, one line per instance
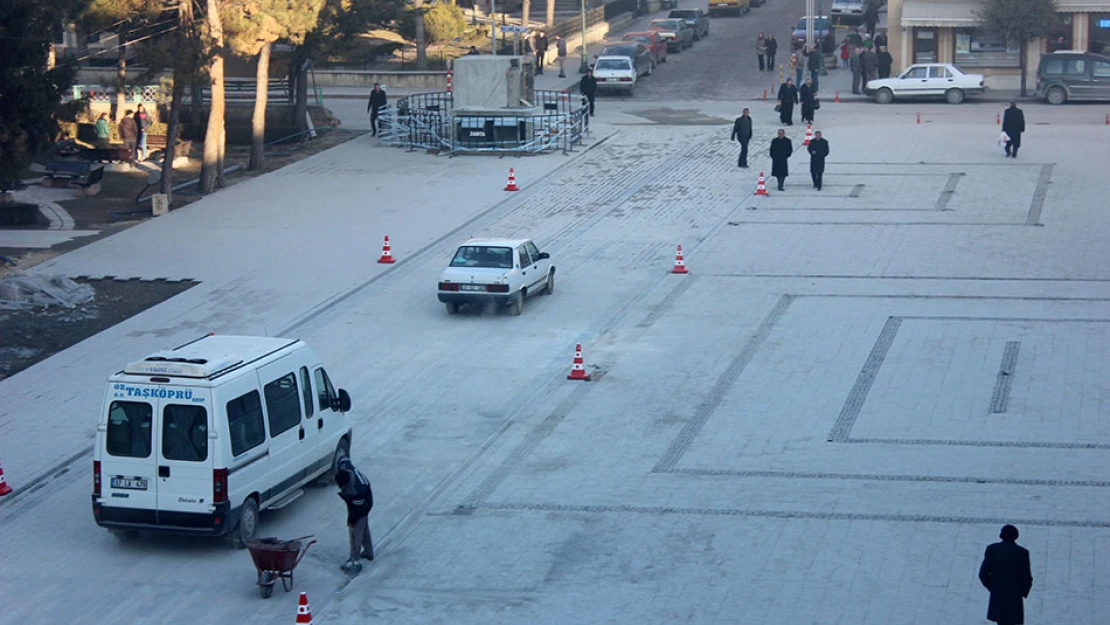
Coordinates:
781 149
807 95
1005 572
788 97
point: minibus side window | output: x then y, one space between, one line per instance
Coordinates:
129 429
307 392
244 422
282 404
184 433
324 390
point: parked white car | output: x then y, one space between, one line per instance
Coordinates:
927 80
496 272
615 73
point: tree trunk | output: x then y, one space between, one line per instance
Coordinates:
421 52
172 126
221 158
210 167
121 76
525 9
258 119
550 12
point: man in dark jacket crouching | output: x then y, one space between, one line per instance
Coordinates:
355 490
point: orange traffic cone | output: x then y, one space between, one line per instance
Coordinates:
809 134
998 119
919 119
837 98
764 94
761 189
679 263
512 182
4 488
578 372
387 255
304 612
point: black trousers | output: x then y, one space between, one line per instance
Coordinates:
857 81
761 67
782 181
770 62
1013 144
590 97
743 161
539 62
817 175
374 122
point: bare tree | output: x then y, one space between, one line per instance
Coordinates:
1020 22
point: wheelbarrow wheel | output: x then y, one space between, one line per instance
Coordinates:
266 584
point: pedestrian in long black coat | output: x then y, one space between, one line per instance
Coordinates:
540 46
374 107
772 49
588 87
871 16
788 97
742 131
818 149
807 95
781 149
885 62
857 70
1013 124
1005 572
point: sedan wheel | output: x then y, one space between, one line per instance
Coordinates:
550 288
1056 95
884 96
517 305
452 308
954 96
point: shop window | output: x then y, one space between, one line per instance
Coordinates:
1099 33
976 47
1060 37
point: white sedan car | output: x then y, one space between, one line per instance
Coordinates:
927 80
616 73
496 272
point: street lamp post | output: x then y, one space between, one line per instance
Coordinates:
585 65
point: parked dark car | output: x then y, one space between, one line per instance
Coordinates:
675 32
694 18
822 33
642 58
1071 75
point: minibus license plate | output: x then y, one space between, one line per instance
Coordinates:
130 483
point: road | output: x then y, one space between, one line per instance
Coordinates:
803 429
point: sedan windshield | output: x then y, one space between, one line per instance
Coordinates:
613 64
483 256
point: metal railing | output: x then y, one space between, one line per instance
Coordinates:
426 121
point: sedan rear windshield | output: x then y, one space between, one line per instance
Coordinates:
619 51
668 24
613 64
819 23
640 38
483 256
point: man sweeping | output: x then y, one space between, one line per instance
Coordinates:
355 490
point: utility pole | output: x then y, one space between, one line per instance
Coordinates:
809 26
585 65
493 24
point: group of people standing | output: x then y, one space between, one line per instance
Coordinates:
537 45
766 48
789 95
132 129
781 151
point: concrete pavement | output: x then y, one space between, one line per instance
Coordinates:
815 425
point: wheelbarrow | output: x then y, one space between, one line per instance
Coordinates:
275 559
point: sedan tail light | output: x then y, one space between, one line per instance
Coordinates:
497 288
626 79
448 286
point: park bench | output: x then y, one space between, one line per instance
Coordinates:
83 174
158 142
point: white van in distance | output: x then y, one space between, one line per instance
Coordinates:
198 439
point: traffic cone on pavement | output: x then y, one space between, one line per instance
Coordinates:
761 188
387 255
304 612
512 182
578 372
919 119
4 488
679 263
809 134
837 98
998 119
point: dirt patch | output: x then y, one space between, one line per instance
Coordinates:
31 336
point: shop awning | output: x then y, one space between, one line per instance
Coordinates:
939 13
1081 6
